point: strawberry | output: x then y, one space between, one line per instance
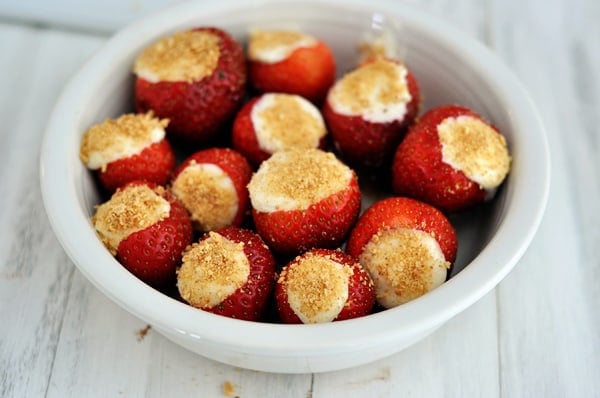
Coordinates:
128 148
407 247
147 229
230 272
369 109
451 158
196 79
211 184
323 285
303 199
290 62
274 122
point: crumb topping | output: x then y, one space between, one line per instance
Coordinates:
316 287
212 270
297 178
404 264
120 138
272 46
208 194
186 56
129 210
475 148
377 91
284 121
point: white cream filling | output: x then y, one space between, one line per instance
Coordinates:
128 211
487 165
209 275
331 304
267 139
372 109
122 147
279 51
397 280
211 199
266 197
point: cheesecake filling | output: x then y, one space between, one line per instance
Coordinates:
285 121
129 210
475 148
208 194
297 178
377 91
272 46
120 138
186 56
317 288
404 264
212 270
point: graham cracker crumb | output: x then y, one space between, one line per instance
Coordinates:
285 121
186 56
297 178
402 264
228 389
285 41
473 146
129 133
143 332
208 194
129 210
317 287
380 83
212 269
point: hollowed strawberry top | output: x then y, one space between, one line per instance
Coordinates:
377 91
129 210
186 56
271 46
212 270
120 138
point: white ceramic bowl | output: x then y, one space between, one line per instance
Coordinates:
450 66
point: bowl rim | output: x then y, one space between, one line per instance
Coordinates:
72 228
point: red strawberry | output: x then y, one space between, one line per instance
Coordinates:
146 228
303 199
323 285
451 158
211 184
196 79
290 62
229 272
369 109
275 122
129 148
407 247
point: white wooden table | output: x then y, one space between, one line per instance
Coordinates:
536 335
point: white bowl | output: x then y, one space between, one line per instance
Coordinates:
451 68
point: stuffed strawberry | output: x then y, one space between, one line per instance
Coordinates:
128 148
229 272
323 285
147 229
369 109
211 184
274 122
195 78
407 246
451 158
304 198
290 62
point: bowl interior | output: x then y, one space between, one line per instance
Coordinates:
450 68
